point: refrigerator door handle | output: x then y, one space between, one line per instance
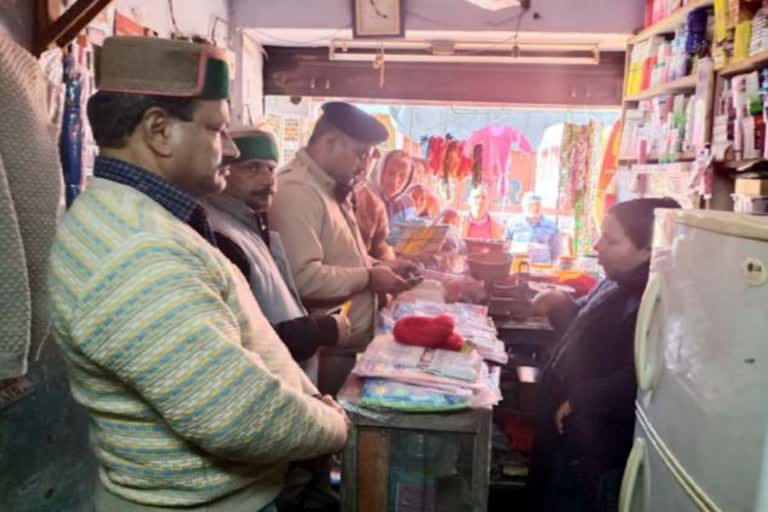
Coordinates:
646 362
631 475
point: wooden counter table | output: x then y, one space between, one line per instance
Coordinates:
417 462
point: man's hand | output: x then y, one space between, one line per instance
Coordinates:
402 267
344 326
384 280
563 412
330 402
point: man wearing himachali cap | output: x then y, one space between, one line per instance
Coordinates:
241 225
194 400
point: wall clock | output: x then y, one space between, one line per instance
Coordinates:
378 18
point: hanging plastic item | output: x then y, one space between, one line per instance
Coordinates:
71 139
477 166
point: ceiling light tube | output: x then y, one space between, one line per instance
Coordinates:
348 44
338 54
468 59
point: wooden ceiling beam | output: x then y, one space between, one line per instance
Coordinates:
309 72
51 28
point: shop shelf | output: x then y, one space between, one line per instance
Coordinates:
687 83
671 22
753 63
684 157
736 165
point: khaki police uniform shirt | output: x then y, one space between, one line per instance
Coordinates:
327 255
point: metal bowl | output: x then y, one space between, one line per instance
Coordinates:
490 266
481 245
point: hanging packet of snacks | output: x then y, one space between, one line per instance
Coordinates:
702 178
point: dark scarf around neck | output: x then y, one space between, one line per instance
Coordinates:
634 280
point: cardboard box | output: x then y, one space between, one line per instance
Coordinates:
751 187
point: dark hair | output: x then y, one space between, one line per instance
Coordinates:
115 115
636 218
322 127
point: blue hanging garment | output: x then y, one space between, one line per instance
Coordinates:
71 141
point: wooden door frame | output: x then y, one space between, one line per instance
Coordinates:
53 27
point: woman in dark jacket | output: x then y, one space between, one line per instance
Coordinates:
585 418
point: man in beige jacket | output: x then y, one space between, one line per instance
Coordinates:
314 215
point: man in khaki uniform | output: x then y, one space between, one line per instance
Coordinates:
314 215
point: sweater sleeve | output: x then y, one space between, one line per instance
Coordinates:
604 396
298 217
304 335
154 317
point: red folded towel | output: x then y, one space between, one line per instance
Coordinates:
429 332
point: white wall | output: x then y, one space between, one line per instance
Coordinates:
198 17
248 86
602 16
192 16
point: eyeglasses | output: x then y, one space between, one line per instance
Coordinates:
362 151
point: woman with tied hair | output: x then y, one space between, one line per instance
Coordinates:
585 410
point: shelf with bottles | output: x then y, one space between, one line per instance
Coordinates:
740 36
739 123
756 61
686 83
660 64
663 17
676 180
663 129
740 166
655 159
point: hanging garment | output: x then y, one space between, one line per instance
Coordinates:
548 166
435 154
574 155
585 187
71 137
605 197
497 143
439 150
30 199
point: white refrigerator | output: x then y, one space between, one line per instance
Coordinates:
701 352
